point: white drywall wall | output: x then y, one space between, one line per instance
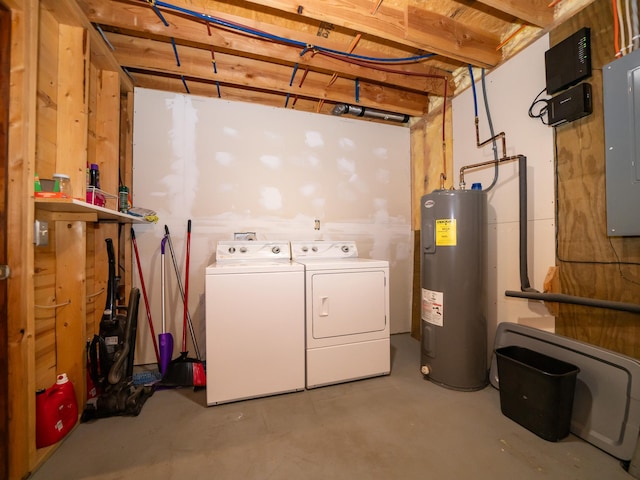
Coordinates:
238 167
511 89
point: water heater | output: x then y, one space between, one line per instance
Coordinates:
453 242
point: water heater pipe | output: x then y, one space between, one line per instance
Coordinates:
526 291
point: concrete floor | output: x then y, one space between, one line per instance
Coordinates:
394 427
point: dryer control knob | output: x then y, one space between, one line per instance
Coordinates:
243 249
315 249
232 249
276 250
305 248
345 248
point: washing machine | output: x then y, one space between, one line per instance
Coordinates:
254 310
347 312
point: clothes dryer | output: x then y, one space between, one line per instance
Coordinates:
254 321
347 312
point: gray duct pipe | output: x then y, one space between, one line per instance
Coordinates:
562 298
525 287
358 111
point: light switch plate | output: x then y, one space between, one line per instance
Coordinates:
41 233
244 236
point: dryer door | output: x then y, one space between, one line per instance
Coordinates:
348 303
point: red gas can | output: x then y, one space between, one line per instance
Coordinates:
56 411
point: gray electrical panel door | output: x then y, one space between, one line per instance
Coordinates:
621 85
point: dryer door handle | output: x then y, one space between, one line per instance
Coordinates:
324 306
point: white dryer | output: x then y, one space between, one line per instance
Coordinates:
347 312
254 308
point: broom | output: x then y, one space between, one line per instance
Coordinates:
185 371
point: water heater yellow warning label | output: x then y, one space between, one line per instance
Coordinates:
446 235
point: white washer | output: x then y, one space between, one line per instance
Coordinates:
254 321
347 312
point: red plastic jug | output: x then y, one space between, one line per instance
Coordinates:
56 411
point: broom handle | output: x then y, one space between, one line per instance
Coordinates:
175 266
186 289
164 323
144 294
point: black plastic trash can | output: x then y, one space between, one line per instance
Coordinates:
536 391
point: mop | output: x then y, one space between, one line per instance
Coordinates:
165 340
184 371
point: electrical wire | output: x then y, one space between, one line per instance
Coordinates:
623 42
473 88
616 29
288 41
629 46
636 25
540 114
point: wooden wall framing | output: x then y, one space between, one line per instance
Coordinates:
590 263
65 102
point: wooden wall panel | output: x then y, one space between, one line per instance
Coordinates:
71 140
94 291
592 264
44 278
70 238
21 155
47 106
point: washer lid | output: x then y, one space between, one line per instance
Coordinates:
251 266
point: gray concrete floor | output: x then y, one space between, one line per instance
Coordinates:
394 427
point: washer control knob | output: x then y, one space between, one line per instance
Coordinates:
314 248
275 250
243 249
305 248
345 248
232 249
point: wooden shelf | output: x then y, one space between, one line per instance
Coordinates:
74 206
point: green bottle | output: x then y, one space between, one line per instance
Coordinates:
36 184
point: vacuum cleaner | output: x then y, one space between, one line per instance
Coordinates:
110 356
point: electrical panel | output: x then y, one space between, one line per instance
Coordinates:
568 62
621 97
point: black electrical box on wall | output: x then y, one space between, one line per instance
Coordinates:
568 62
570 105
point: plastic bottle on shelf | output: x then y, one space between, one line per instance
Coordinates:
37 186
94 176
123 199
63 185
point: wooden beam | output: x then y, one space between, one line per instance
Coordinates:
535 12
405 25
72 110
231 93
139 19
196 63
20 217
69 13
